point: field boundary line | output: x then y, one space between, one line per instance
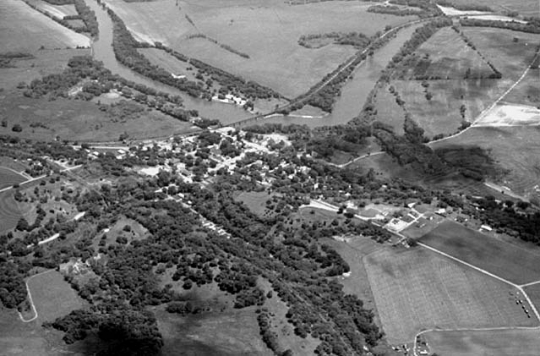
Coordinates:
529 284
518 287
30 298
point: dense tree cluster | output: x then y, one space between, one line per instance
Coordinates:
532 26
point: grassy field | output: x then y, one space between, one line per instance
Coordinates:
38 30
502 259
52 296
9 211
256 202
533 292
58 11
417 289
168 62
268 31
79 120
9 178
515 149
493 342
234 332
524 7
449 57
527 92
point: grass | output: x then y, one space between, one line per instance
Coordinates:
168 62
493 342
8 178
77 120
417 289
515 150
507 261
267 31
534 294
527 92
9 211
256 202
52 296
38 30
18 338
58 11
524 7
449 57
233 332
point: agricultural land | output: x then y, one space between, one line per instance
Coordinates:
269 177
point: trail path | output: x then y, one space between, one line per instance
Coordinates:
31 300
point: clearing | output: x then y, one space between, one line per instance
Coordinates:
53 297
417 289
507 261
491 342
268 32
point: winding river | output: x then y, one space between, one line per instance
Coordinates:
348 105
103 51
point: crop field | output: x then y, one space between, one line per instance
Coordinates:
533 292
58 11
527 92
492 342
524 7
447 56
9 211
234 332
515 150
266 31
417 289
509 57
52 296
9 178
507 261
38 30
83 121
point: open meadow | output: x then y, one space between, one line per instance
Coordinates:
507 261
492 342
23 29
58 11
417 289
9 211
77 120
53 297
8 177
515 150
234 332
268 32
524 7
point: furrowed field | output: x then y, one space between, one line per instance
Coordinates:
9 178
417 289
267 31
492 342
507 261
9 211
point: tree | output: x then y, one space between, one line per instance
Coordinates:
16 128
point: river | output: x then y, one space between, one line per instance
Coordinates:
355 91
102 50
353 95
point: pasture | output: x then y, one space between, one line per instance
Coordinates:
58 11
52 296
38 30
256 202
82 121
507 261
510 115
533 292
524 7
515 149
527 92
233 332
168 62
9 211
492 342
267 31
8 178
447 56
417 289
